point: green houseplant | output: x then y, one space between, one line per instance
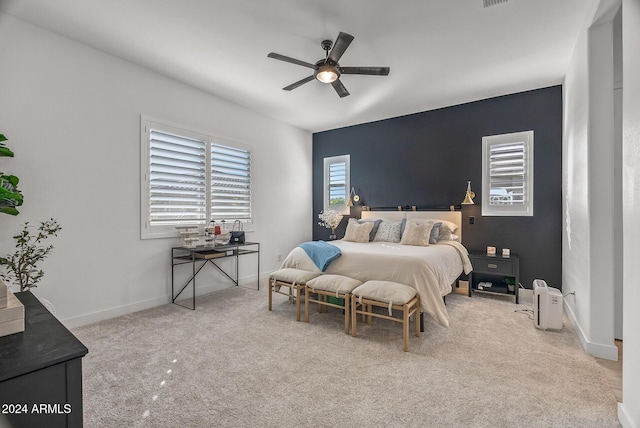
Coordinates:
10 196
21 265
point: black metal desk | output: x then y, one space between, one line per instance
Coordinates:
202 254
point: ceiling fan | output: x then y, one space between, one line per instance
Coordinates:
328 70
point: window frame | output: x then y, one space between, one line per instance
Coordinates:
147 231
520 210
332 160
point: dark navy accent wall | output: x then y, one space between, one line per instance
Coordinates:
425 159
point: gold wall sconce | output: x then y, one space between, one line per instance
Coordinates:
468 197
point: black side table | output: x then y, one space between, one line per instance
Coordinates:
502 272
40 371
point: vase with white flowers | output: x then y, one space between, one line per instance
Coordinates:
330 219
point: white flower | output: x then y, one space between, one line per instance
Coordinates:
330 219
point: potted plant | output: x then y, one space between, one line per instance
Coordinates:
511 283
10 196
21 265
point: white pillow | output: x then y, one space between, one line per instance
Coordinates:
357 232
447 227
417 234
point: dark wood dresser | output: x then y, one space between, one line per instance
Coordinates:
40 372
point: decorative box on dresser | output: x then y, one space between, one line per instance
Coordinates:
40 372
503 272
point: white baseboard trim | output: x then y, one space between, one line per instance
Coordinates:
118 311
600 350
97 316
624 418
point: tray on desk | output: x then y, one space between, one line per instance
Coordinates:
212 254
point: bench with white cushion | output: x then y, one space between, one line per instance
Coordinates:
320 288
294 280
388 295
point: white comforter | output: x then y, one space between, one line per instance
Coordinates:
431 270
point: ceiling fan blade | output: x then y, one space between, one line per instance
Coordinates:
342 43
291 60
340 89
299 83
373 71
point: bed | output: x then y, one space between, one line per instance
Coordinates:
431 269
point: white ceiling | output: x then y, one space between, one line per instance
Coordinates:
441 52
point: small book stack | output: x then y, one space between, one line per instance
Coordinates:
11 312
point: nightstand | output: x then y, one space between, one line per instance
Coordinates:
503 273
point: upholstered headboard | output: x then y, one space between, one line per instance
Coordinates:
452 216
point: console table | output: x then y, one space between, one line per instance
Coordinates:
200 255
40 371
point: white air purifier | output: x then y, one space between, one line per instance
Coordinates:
547 306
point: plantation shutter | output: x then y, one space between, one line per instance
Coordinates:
337 182
507 173
230 183
177 179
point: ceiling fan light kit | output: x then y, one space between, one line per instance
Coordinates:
327 73
328 70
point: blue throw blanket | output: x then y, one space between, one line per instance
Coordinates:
321 253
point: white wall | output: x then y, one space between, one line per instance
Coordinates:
629 409
72 116
617 175
589 186
576 241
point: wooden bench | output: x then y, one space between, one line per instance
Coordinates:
388 295
328 285
292 279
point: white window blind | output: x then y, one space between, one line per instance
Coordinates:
190 178
336 182
507 175
230 183
177 179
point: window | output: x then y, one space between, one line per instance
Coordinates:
189 178
507 174
230 183
336 183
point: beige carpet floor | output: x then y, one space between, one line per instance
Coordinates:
232 363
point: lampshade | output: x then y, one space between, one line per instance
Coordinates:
327 73
469 195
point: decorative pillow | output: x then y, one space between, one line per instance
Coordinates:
374 230
447 228
357 232
417 234
448 237
435 233
388 232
